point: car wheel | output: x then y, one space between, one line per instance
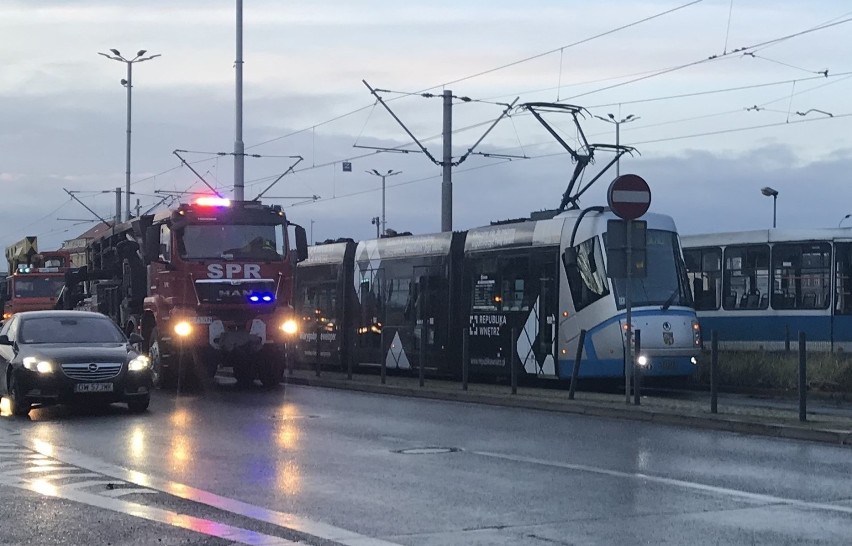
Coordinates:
139 405
20 405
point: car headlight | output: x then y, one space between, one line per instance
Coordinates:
290 327
35 364
139 363
183 328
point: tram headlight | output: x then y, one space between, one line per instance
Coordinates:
642 360
290 327
183 328
694 361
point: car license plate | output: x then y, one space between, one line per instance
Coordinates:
202 320
93 387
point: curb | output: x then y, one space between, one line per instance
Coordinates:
726 424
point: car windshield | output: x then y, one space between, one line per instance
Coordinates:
69 330
232 242
665 283
38 287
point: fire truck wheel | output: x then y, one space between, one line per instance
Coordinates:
160 377
244 374
271 373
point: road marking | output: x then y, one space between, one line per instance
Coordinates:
259 513
62 476
770 499
36 469
158 515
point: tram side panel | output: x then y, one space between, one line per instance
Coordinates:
506 292
324 300
403 310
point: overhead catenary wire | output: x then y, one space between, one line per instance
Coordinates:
502 67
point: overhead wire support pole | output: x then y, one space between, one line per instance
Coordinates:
186 163
447 165
239 145
85 206
298 159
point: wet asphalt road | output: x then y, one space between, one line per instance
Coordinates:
517 477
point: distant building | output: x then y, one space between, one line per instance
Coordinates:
77 247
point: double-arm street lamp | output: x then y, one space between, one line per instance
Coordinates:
390 172
128 83
611 119
769 192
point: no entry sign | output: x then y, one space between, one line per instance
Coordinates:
629 196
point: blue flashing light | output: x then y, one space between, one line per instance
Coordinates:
265 297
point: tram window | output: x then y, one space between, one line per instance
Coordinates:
746 277
513 273
704 269
801 276
843 279
586 276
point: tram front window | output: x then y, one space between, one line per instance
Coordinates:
666 282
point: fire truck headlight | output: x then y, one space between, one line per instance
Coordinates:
183 328
290 327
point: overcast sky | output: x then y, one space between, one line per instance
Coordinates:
705 156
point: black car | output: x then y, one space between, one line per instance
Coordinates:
60 357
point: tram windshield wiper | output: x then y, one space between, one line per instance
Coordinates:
671 299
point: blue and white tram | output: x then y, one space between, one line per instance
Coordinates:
412 297
661 301
759 289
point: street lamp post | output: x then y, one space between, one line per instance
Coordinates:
844 218
769 192
611 119
390 172
128 83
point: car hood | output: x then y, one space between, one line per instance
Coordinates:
67 353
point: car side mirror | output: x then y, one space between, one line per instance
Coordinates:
4 340
133 338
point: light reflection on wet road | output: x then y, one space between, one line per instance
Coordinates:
522 476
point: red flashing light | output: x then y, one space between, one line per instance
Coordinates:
212 202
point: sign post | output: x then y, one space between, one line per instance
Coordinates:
629 197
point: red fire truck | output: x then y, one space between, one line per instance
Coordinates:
207 284
35 279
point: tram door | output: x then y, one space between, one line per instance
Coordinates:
841 323
547 316
430 316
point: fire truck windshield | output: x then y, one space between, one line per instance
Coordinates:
232 242
38 287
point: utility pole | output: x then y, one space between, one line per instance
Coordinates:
376 222
117 205
239 146
138 208
390 172
447 165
